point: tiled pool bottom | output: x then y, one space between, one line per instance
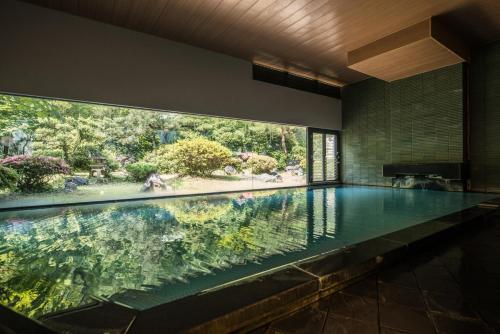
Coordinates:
144 254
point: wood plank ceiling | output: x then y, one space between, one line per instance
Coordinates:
312 36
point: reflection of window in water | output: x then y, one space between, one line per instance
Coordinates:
331 212
322 213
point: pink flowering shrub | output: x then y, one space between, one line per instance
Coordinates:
35 172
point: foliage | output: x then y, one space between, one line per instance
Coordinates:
8 178
262 164
303 164
140 171
236 163
163 158
299 155
199 156
281 159
80 132
35 172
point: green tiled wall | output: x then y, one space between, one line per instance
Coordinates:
485 119
418 119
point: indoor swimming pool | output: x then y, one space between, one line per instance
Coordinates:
145 253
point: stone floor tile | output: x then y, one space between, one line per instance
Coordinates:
439 285
308 321
355 307
448 325
394 294
400 275
449 304
405 319
425 270
385 330
365 288
425 259
490 312
336 324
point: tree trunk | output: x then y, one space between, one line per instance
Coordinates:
283 141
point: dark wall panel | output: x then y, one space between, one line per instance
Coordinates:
419 119
485 119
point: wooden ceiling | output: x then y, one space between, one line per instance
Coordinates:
312 36
394 56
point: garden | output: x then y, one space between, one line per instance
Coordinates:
62 152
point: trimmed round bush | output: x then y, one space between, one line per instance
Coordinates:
8 178
140 171
199 157
262 164
35 172
163 158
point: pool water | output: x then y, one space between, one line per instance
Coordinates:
144 253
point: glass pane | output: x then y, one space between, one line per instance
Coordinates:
330 157
317 157
61 152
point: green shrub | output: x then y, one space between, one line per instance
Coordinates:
83 159
199 157
303 164
140 171
8 178
236 163
262 164
163 158
298 153
111 162
35 172
281 159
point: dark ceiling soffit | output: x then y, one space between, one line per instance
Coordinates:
286 79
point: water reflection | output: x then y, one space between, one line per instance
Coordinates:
54 259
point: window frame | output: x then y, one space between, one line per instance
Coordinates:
310 132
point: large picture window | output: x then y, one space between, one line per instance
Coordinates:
66 152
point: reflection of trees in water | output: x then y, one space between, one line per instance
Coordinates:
58 261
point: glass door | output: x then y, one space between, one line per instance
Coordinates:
323 156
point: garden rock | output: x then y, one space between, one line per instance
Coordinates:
79 181
70 186
154 183
269 178
292 168
295 170
230 170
